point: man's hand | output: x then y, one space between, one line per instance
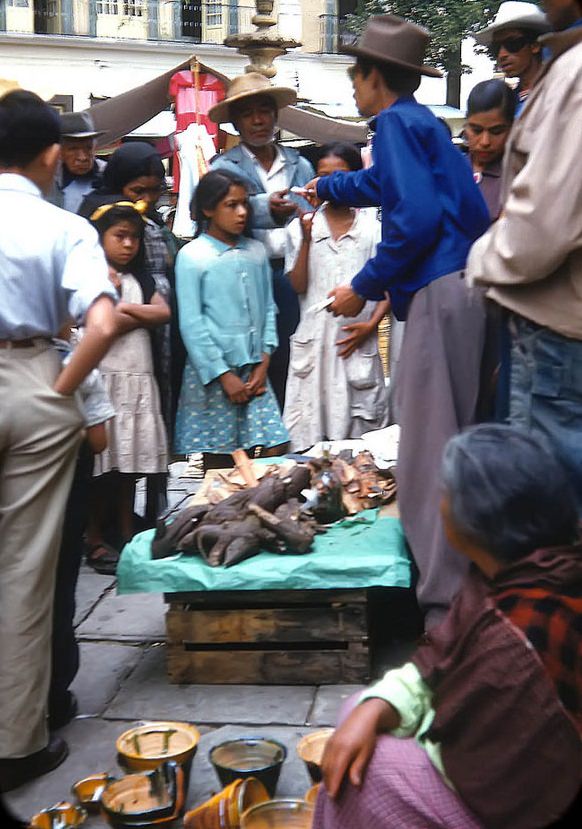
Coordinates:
257 382
346 303
280 207
234 388
351 746
359 332
311 194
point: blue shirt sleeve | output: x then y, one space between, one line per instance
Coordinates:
403 181
270 339
204 353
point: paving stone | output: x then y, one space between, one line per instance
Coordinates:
328 701
138 617
147 693
90 588
102 668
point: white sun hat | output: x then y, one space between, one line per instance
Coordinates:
514 15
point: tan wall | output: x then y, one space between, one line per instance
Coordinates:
20 19
310 12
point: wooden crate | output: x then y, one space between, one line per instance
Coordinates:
299 637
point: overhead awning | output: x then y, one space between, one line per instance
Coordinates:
122 114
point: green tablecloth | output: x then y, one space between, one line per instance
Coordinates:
364 551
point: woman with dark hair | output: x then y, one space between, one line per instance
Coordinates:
227 321
483 726
490 113
335 385
135 172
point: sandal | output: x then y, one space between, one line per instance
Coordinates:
103 558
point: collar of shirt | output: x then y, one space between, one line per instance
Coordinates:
275 178
222 247
68 177
19 184
321 229
404 99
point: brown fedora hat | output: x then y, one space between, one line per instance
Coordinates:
391 39
249 86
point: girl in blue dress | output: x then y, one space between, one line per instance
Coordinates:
227 322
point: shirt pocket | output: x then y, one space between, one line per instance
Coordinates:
301 359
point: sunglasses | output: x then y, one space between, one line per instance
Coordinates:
510 44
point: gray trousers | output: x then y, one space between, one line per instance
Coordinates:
437 385
39 435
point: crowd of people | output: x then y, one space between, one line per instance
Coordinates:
122 347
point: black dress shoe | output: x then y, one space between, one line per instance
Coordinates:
15 771
63 712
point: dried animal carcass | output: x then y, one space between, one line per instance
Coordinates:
241 525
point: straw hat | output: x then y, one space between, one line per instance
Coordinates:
514 15
248 86
390 39
7 86
78 125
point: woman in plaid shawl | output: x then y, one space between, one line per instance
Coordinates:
483 727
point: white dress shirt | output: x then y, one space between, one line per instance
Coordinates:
275 179
52 266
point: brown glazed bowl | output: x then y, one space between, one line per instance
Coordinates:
311 794
310 748
59 816
278 814
258 757
88 790
147 746
147 798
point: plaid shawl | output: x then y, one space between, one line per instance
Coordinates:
505 670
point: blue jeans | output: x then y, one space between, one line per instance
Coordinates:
546 391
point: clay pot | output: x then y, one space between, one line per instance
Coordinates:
145 799
88 790
257 757
310 748
61 816
224 810
311 794
147 746
278 814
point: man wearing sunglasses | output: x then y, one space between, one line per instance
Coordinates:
512 43
531 259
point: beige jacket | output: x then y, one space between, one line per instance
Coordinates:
531 259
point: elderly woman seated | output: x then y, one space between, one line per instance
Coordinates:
483 726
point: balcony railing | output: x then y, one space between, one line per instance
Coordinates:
333 33
197 21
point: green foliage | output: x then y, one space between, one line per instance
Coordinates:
448 21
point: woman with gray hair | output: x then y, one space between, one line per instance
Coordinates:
483 726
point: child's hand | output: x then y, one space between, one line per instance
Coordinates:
359 332
97 438
257 382
234 388
306 226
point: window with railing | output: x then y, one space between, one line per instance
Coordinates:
19 4
333 33
133 8
107 7
214 14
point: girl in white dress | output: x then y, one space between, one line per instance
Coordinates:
137 442
335 387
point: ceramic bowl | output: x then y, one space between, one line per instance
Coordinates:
278 814
311 794
145 798
258 757
310 748
147 746
88 790
59 816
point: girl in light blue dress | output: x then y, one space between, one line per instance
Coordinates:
227 322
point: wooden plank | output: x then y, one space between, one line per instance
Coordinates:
300 624
228 599
296 667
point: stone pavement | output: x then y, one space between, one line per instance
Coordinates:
122 681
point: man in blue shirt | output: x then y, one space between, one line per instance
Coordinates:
431 213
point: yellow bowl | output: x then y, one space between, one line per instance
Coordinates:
278 814
147 746
310 748
88 790
60 815
311 794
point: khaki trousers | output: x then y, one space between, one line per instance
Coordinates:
40 432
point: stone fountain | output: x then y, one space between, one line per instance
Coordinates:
262 46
